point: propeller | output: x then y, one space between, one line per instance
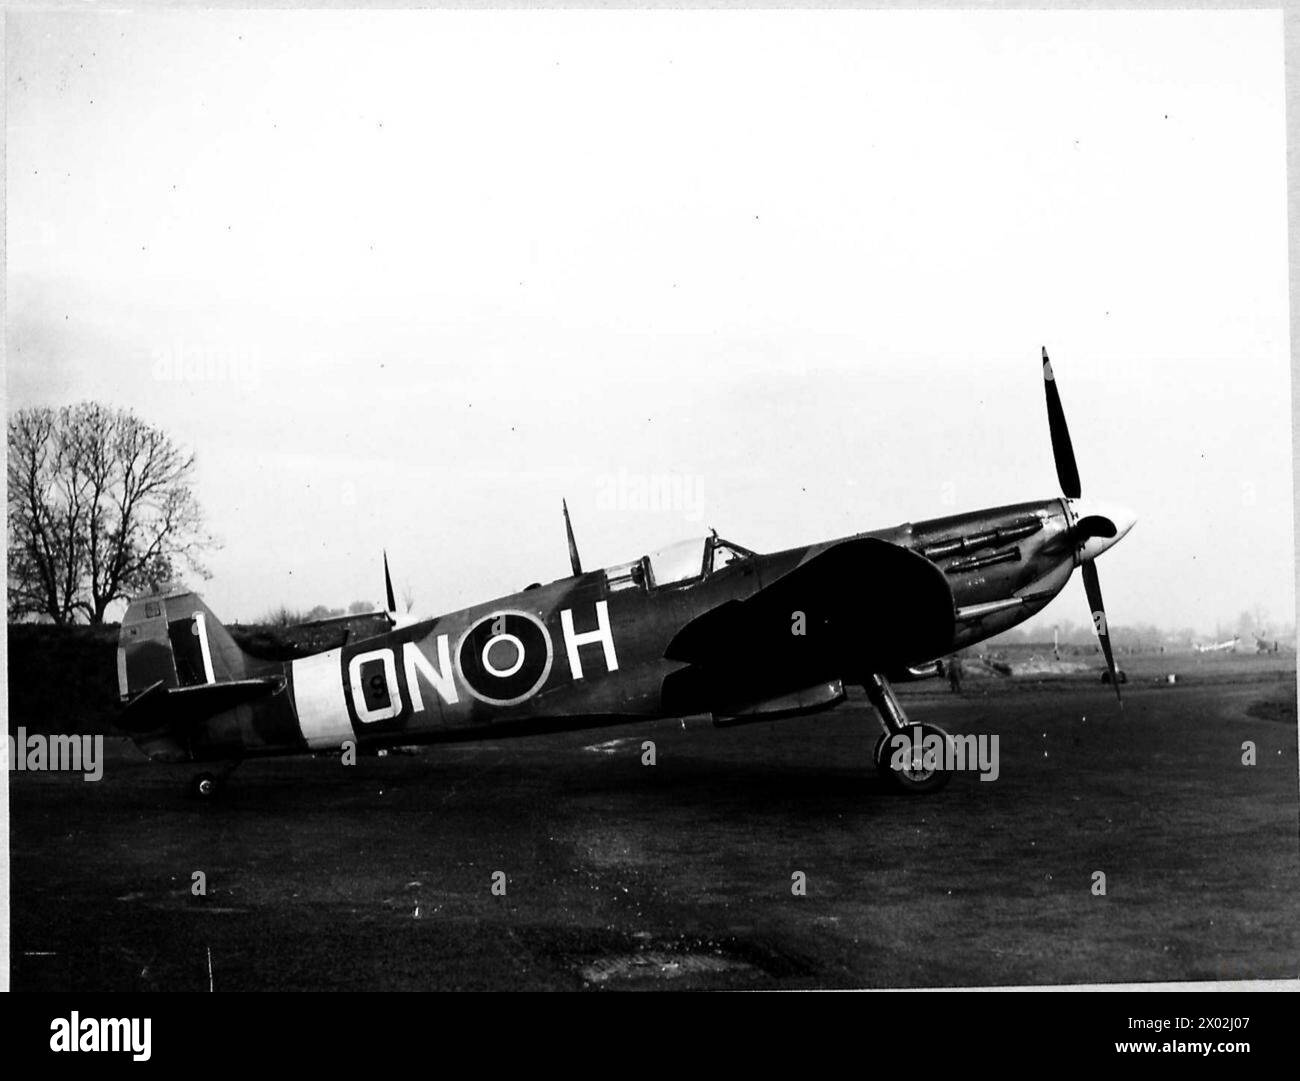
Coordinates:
1067 469
1088 527
574 561
1092 586
1084 529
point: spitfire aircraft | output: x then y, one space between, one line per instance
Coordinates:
706 626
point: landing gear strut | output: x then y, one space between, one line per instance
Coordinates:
904 762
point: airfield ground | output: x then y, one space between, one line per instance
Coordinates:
620 875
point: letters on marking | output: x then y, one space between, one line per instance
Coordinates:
502 659
603 635
440 678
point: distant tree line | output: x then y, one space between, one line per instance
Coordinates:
1146 636
284 616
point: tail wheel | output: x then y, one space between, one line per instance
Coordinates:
204 786
907 759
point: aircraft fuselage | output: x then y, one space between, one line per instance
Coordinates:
589 650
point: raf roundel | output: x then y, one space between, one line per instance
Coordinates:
504 658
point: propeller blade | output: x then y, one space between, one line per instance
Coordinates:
388 586
574 561
1067 470
1092 585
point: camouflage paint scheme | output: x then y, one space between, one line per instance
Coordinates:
764 636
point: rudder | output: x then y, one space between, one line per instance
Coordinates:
174 638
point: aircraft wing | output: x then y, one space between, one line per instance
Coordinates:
860 606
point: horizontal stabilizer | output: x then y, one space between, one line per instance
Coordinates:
160 705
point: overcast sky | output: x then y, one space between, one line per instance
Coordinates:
407 279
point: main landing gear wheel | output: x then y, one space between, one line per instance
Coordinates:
910 768
906 771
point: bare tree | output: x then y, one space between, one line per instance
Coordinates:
100 507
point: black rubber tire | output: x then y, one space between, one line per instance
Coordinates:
204 786
908 781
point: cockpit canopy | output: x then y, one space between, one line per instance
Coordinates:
678 564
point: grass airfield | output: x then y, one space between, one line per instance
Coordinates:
679 875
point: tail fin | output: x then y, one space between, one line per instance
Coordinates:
174 639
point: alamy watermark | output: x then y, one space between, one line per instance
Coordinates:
112 1034
680 493
916 748
73 754
183 362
